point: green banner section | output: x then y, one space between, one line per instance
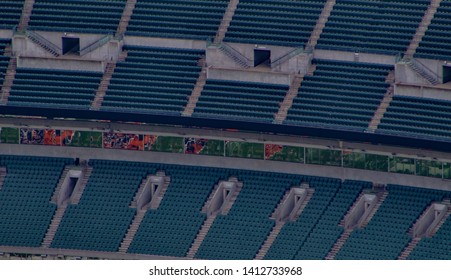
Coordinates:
244 150
168 144
239 149
429 168
284 153
402 165
75 138
365 161
447 170
9 135
323 157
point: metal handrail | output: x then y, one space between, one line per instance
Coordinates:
44 41
97 44
423 67
287 56
236 54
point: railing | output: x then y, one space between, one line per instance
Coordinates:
235 55
46 44
97 44
423 70
287 56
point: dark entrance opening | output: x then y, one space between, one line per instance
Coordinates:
446 73
71 45
261 57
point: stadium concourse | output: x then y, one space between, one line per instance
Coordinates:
225 129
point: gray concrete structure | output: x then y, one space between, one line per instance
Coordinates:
6 33
226 135
249 76
436 92
232 163
165 42
62 63
354 56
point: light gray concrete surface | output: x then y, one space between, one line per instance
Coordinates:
226 135
223 162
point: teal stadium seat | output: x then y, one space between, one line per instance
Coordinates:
153 80
80 16
10 13
196 19
280 23
375 242
25 208
417 117
54 88
240 100
384 27
339 94
435 43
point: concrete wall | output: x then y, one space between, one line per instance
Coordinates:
233 163
63 64
435 66
24 47
421 91
405 75
297 64
165 42
351 56
226 135
6 33
216 58
248 76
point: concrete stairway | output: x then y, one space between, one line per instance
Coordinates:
51 231
409 248
200 236
381 198
105 82
235 55
385 103
380 111
197 90
269 241
125 18
423 71
103 86
287 102
225 23
78 191
311 70
8 80
132 231
320 23
45 44
338 245
26 14
60 184
414 242
421 30
2 176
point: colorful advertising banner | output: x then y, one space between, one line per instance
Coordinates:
203 146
